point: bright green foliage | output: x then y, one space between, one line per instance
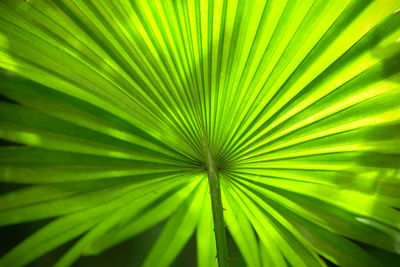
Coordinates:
278 118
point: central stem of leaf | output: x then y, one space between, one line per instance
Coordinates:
219 225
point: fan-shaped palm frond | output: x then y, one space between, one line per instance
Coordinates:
278 119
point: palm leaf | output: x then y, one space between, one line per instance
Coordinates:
120 113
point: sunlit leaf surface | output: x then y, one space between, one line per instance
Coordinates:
124 114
